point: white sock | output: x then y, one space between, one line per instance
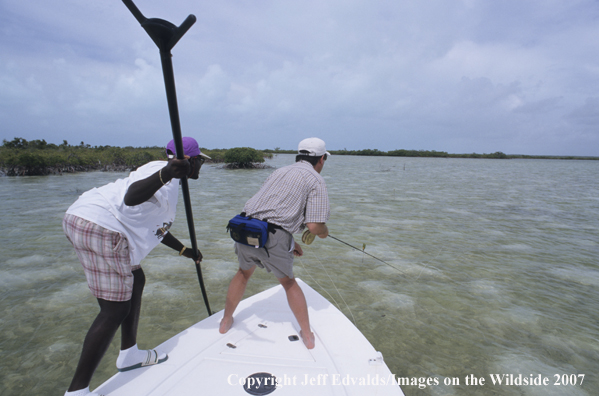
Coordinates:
134 355
80 392
129 356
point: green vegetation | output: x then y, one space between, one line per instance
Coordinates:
434 154
376 152
394 153
216 155
20 157
243 157
37 157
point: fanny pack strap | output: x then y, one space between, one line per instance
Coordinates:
272 228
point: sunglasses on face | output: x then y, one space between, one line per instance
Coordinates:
199 158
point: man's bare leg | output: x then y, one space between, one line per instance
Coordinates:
234 296
299 307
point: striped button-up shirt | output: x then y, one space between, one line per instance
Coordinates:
291 197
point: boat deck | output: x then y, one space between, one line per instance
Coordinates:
264 343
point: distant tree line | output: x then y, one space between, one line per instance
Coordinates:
437 154
20 157
399 153
37 157
393 153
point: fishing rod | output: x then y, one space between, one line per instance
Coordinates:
308 238
165 35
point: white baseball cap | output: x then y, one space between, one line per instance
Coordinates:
313 147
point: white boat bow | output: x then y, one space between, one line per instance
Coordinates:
263 354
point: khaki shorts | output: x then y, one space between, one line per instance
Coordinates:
279 259
104 255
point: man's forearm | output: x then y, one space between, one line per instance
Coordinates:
172 242
319 229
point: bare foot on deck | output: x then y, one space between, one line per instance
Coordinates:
309 341
225 325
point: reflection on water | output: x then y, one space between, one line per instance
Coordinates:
496 270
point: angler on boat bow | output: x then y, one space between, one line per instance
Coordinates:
291 198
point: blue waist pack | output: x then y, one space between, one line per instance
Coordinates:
248 231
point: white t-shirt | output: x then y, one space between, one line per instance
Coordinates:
145 224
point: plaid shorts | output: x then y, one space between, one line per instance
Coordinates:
104 255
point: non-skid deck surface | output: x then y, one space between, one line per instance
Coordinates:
204 362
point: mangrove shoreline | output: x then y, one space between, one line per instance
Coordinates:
20 157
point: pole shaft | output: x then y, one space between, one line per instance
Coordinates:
171 97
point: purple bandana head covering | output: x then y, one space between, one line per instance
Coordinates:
190 147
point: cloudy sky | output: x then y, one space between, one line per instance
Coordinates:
463 76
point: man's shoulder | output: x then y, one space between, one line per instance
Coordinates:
149 168
153 165
299 172
308 171
301 166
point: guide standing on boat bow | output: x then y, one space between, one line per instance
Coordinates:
112 228
291 198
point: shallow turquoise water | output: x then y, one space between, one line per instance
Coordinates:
495 270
